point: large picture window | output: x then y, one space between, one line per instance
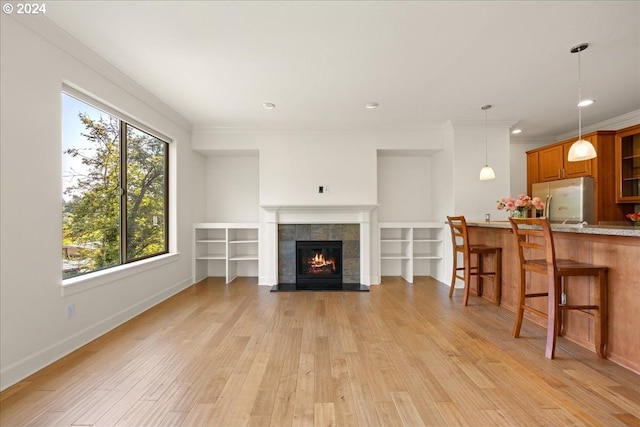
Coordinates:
114 190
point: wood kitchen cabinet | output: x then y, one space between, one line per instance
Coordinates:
553 162
550 163
532 170
628 165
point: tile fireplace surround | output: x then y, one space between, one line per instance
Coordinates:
271 217
289 234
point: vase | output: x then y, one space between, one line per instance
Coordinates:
516 214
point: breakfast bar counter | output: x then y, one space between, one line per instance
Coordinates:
617 247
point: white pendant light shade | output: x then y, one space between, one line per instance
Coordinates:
487 173
581 150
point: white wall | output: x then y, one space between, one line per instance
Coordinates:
293 164
404 188
292 169
233 188
474 198
33 328
442 177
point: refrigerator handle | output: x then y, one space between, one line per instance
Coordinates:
547 208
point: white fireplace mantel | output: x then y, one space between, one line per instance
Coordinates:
319 214
273 215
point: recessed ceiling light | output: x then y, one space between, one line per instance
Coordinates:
268 106
516 131
371 105
585 102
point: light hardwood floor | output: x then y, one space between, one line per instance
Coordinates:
402 354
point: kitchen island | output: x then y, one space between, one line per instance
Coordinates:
617 247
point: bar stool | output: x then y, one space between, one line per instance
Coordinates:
555 271
460 243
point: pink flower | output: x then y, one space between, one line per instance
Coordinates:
537 203
635 217
521 203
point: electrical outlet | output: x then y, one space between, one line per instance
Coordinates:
321 189
70 311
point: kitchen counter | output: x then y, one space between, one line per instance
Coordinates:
617 247
607 230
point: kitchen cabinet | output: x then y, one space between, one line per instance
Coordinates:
553 162
628 165
532 170
577 169
550 163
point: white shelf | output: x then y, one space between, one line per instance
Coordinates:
212 256
426 256
244 258
394 256
410 249
225 249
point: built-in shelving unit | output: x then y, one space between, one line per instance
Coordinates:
410 249
225 250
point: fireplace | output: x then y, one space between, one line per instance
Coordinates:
329 245
318 262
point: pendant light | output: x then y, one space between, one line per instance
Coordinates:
486 172
581 149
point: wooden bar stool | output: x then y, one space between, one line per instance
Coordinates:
555 271
460 243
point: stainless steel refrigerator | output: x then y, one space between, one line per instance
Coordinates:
569 201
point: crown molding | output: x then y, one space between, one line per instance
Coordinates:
615 123
55 35
480 123
533 141
299 129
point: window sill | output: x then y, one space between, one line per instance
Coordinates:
99 278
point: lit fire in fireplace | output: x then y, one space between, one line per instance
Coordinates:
321 265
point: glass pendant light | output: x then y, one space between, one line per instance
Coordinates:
581 149
486 172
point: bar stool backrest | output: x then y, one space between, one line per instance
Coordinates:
527 228
459 234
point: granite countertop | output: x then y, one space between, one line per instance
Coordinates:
608 230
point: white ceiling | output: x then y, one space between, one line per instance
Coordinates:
425 62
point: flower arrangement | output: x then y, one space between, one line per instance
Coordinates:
635 217
519 206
